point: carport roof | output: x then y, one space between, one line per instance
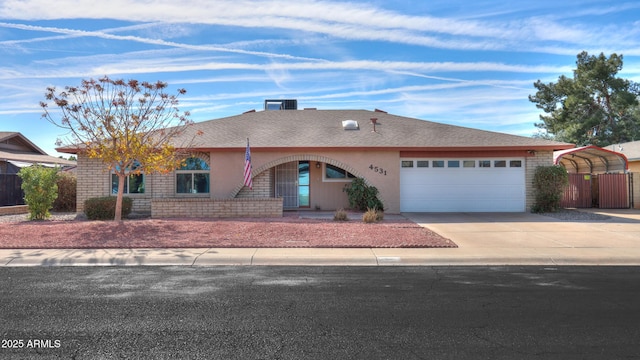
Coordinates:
591 159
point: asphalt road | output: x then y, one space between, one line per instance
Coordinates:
320 313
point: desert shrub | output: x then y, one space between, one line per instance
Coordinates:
66 200
104 208
549 183
40 190
362 196
372 215
340 215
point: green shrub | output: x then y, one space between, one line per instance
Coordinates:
66 200
372 215
40 190
340 215
549 183
362 196
104 208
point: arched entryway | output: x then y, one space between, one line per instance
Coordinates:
304 181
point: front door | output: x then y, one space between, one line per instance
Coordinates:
292 184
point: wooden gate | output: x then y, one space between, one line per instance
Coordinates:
578 193
613 191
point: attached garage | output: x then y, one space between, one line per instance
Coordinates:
462 185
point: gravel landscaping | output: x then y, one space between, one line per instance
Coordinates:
66 231
575 215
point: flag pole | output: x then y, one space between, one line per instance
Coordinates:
248 182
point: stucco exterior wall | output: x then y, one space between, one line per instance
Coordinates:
325 195
379 168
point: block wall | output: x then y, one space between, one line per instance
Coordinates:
262 186
95 181
541 158
216 208
14 210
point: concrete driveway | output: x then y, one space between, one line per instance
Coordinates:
525 238
483 239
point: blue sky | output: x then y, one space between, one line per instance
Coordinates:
457 62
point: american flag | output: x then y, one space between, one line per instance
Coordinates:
247 167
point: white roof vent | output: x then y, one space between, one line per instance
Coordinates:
350 125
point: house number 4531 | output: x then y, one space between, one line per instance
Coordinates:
377 169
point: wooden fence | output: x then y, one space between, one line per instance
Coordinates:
10 191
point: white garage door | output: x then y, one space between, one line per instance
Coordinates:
462 185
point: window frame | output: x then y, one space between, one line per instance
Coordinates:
330 179
192 174
114 182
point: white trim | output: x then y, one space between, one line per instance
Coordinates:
22 164
326 179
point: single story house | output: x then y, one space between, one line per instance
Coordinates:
16 152
302 159
632 151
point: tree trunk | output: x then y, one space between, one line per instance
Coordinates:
121 179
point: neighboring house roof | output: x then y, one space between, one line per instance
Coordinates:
324 129
591 159
16 138
17 149
630 149
310 128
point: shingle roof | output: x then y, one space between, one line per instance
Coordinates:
36 155
323 129
18 137
630 149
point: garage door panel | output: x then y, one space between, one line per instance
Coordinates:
462 189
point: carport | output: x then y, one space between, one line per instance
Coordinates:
591 160
597 178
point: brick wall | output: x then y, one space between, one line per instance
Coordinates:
93 181
541 158
262 186
216 208
14 210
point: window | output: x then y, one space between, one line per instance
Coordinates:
500 163
515 163
335 173
407 163
193 177
133 184
453 163
438 163
469 163
484 163
423 163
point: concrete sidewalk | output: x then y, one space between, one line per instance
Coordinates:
483 239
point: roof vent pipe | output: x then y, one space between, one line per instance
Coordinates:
374 121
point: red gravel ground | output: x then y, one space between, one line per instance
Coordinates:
283 232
